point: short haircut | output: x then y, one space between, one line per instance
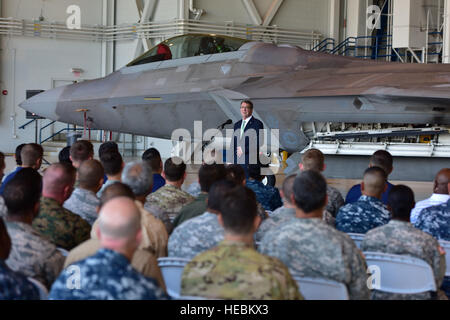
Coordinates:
313 159
112 162
382 159
174 169
374 179
235 173
238 210
108 146
217 192
254 172
247 102
139 177
18 151
90 173
64 155
117 189
310 191
401 201
288 187
81 150
30 153
210 173
57 176
23 191
153 157
2 160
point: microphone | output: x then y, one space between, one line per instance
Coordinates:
229 121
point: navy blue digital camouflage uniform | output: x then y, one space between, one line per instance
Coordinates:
435 220
15 286
107 275
363 215
268 196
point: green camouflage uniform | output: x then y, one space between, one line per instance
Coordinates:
191 210
234 270
61 226
398 237
311 248
166 203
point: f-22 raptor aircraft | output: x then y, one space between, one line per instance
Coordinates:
199 77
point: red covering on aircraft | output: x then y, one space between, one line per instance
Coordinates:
164 50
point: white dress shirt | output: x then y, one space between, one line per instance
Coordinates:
434 200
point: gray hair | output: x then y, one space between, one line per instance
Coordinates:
139 177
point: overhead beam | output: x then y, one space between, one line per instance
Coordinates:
145 13
446 38
252 11
273 10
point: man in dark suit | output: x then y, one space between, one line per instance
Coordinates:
246 140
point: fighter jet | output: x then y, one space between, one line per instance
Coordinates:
198 77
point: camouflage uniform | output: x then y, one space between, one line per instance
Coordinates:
233 270
166 203
15 286
363 215
107 275
311 248
154 234
61 226
195 236
335 200
83 203
33 255
398 237
191 210
268 196
280 216
435 221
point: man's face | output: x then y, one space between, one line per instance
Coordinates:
246 110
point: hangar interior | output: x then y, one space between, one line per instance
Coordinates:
43 48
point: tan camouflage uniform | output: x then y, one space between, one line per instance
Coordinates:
311 248
234 270
398 237
33 255
62 227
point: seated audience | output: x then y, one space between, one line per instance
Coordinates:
207 175
369 211
383 160
400 237
234 269
64 155
268 196
61 226
153 157
13 285
80 151
108 275
113 165
167 201
83 201
31 156
204 231
31 254
440 194
313 159
143 260
311 248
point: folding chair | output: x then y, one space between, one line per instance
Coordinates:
43 292
321 289
399 273
172 271
357 238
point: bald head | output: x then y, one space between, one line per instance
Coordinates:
442 181
90 175
57 178
119 223
374 182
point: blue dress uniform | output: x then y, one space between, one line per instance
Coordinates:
363 215
268 196
107 275
15 286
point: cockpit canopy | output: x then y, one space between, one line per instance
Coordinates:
189 45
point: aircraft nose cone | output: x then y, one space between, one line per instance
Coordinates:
44 104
